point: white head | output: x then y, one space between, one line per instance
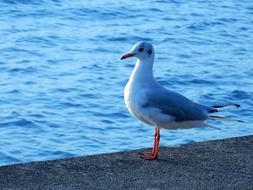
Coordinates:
141 50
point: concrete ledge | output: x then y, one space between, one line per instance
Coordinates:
222 164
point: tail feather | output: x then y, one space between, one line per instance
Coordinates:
218 108
223 107
224 118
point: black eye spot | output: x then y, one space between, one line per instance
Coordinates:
150 52
141 49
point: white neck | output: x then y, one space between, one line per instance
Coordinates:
143 71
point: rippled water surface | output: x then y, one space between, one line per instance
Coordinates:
61 81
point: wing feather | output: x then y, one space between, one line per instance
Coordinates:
176 105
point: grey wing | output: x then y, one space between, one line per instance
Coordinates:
176 105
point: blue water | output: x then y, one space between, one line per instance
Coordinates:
61 80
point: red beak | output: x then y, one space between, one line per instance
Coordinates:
127 56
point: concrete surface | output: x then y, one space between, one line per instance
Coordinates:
222 164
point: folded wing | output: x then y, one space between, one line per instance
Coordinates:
176 105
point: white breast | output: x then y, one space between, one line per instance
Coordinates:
135 98
135 95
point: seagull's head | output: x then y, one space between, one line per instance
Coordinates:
141 50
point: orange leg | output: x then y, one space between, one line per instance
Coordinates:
154 154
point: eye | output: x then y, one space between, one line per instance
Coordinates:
150 52
140 49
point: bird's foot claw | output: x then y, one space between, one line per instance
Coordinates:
145 153
152 157
148 155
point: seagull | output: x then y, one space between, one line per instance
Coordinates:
154 105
